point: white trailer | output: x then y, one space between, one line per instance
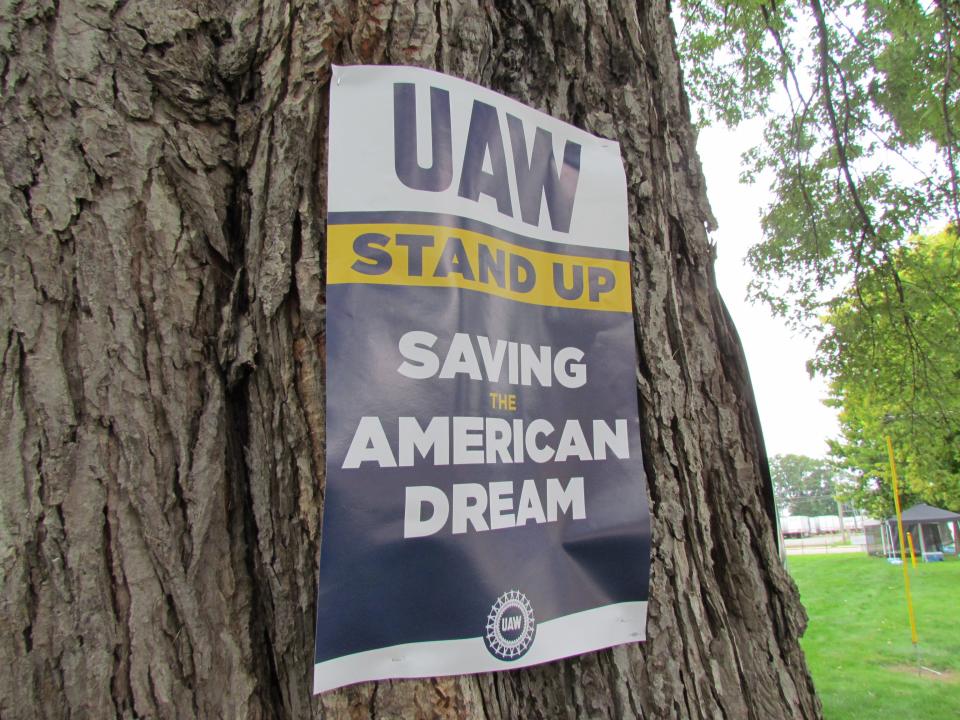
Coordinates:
852 522
795 526
826 523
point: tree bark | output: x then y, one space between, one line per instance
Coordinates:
162 379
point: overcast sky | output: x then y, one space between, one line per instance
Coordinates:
793 417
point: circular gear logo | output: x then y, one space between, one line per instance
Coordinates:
510 626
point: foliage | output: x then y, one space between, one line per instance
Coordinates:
804 485
899 375
862 101
857 642
862 107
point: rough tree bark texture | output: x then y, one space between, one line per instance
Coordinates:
162 380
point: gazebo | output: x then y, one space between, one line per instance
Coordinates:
934 532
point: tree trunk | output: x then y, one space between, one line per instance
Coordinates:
162 378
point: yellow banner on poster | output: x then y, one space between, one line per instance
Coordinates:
437 256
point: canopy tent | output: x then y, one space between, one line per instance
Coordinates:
923 513
932 529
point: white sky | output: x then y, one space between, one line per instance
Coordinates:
793 417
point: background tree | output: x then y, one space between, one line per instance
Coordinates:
900 379
861 102
804 485
161 363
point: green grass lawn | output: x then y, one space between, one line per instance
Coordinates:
858 641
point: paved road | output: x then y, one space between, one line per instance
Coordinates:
823 549
825 544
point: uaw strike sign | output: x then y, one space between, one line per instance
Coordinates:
485 503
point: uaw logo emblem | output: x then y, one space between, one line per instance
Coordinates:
511 626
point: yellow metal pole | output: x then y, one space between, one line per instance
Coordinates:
913 553
903 557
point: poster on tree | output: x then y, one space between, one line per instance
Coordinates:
485 504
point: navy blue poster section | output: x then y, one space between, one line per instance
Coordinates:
378 589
